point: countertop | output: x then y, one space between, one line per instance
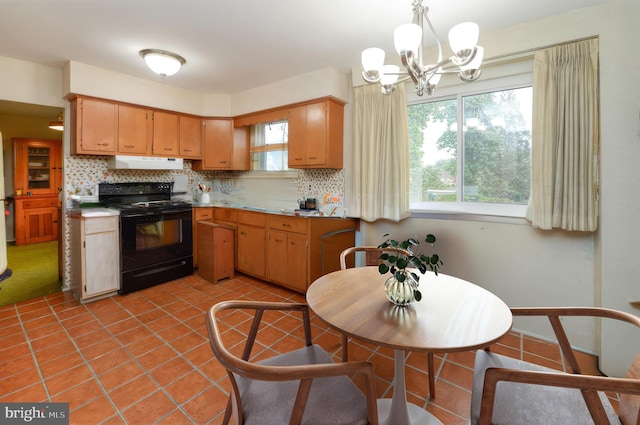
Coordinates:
291 212
93 212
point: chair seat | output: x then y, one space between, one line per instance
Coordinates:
517 403
271 402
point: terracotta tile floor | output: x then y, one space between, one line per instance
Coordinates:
144 357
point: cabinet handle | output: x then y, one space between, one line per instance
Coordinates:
186 150
103 144
313 157
222 162
168 149
298 159
128 146
286 225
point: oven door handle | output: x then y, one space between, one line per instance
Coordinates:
161 269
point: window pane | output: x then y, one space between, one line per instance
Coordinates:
497 147
433 151
276 132
269 146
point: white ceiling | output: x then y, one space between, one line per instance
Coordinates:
234 45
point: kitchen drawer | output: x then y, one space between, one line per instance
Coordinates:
288 224
100 225
252 218
202 214
40 203
226 214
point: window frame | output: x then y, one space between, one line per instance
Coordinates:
496 78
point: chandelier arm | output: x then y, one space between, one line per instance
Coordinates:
433 31
462 61
410 64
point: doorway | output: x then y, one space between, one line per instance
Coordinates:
35 269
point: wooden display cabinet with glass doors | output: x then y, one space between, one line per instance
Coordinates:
37 182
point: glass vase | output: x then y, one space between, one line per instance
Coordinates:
401 293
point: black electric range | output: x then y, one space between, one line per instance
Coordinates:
156 241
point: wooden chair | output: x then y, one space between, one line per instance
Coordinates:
372 253
302 386
530 393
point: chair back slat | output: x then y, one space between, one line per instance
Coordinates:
371 255
629 405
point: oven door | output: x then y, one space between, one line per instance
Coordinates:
155 248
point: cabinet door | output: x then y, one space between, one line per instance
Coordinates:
102 266
277 257
199 214
316 134
297 257
297 136
95 127
135 130
41 225
287 259
165 134
218 144
252 250
190 137
37 166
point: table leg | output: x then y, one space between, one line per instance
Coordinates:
397 411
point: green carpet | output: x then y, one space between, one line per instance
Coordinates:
34 270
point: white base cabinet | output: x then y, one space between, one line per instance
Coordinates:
95 254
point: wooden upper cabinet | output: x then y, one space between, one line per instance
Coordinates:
37 166
166 134
224 148
316 135
135 130
94 125
190 137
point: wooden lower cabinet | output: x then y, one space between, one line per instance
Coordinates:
286 250
95 256
36 219
287 255
199 214
252 244
302 249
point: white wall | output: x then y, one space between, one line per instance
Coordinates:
524 266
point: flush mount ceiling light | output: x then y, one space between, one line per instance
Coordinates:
57 125
162 62
408 40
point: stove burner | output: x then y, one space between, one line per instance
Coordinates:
140 198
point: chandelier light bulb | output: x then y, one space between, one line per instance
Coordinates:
407 37
463 37
372 62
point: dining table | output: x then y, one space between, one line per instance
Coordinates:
453 315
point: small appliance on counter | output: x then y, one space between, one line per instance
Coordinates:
308 204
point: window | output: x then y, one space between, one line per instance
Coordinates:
472 153
269 146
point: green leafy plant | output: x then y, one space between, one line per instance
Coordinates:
397 264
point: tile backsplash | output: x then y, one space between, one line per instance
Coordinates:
82 173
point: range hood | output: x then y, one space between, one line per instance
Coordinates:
127 162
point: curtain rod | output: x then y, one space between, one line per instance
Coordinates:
523 53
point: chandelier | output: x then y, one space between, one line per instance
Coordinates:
466 59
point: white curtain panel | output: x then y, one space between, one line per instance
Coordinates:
381 154
565 139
